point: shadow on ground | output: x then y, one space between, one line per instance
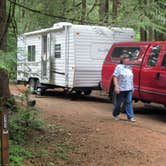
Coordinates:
76 97
153 111
157 112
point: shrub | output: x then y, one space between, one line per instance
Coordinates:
23 121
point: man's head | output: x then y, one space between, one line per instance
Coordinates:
124 59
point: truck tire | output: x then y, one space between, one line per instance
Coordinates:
32 86
87 92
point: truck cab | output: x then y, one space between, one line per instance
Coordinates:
148 61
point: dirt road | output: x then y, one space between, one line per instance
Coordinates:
100 140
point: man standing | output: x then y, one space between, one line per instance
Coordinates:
123 83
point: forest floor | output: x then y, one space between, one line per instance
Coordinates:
81 132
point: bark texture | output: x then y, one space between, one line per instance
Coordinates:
103 10
2 24
4 86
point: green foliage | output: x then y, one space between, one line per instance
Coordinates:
61 151
22 124
8 62
28 21
148 15
142 15
18 154
131 13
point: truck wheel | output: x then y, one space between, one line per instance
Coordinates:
32 86
87 92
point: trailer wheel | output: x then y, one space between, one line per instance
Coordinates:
87 92
40 91
78 92
32 86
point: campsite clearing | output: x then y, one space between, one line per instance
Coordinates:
98 140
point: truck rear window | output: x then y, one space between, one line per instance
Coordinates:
133 52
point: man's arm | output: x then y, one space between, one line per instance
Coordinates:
115 81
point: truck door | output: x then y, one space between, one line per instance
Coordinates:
161 84
150 80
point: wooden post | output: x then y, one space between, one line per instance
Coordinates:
4 96
4 138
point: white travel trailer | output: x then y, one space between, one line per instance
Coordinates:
66 55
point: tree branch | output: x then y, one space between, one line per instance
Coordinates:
93 6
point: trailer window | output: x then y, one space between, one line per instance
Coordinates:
164 60
31 53
57 50
153 57
133 52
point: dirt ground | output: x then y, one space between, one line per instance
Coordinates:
101 141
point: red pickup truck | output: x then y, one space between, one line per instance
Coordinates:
148 61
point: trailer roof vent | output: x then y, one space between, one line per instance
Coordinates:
61 24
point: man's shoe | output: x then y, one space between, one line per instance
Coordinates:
132 120
116 118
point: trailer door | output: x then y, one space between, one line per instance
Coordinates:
44 59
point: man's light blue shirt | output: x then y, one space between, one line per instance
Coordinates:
124 75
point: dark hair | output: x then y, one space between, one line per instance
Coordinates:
123 56
121 61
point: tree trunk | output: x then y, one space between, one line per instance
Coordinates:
2 24
103 10
4 86
114 11
83 14
160 36
150 30
151 34
115 6
143 34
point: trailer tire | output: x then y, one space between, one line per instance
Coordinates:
78 92
87 92
40 91
32 86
